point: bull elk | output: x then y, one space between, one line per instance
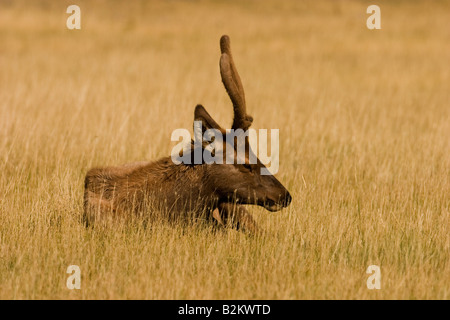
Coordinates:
203 190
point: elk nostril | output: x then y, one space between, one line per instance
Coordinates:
287 199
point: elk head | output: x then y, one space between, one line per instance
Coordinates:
241 183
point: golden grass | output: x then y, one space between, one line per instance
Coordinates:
364 130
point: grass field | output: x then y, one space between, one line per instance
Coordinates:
364 121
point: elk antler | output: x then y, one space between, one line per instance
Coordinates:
233 85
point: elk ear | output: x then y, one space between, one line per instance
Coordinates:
200 114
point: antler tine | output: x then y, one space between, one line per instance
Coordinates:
233 85
225 48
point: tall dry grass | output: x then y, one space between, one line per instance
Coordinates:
364 130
